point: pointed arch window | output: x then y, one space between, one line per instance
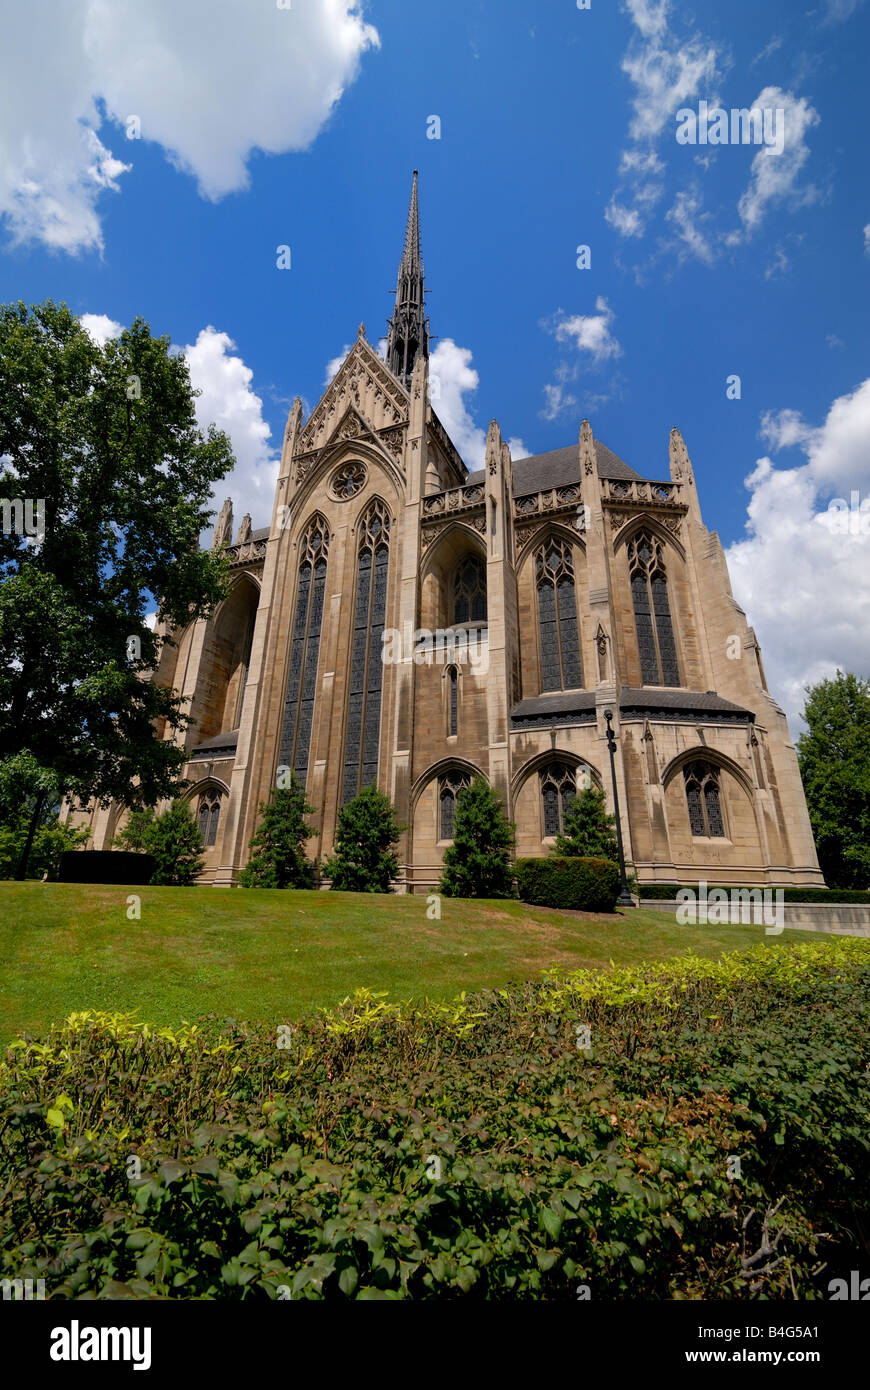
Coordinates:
561 667
652 612
305 649
558 790
362 731
209 817
703 800
452 701
450 784
469 591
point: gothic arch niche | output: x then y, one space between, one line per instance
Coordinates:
208 802
711 812
543 791
225 661
551 582
454 571
432 804
365 678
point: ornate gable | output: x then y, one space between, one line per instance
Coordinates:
364 385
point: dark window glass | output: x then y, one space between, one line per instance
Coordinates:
362 731
702 800
561 667
450 784
469 591
304 650
558 790
656 644
453 677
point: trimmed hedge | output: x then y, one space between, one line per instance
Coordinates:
471 1150
106 866
575 883
791 894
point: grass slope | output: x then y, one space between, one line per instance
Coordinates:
261 954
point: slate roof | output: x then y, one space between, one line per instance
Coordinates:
225 742
560 466
581 703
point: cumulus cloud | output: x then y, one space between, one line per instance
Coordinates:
452 380
229 401
867 240
209 81
803 571
588 332
100 327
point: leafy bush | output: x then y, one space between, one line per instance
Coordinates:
364 860
584 885
50 841
478 863
475 1149
135 832
588 829
669 891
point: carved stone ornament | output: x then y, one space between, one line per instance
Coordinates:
348 480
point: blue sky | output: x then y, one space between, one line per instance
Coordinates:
557 128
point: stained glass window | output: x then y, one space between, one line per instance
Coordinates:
362 731
305 649
450 784
558 790
469 591
209 817
561 667
453 694
703 800
656 643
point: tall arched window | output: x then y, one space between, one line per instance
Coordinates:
558 790
702 800
452 700
652 612
561 668
305 649
362 733
209 817
469 591
450 784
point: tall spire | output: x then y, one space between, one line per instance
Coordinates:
408 335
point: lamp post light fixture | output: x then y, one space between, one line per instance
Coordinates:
625 899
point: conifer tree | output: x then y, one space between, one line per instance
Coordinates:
834 759
175 842
364 860
278 847
588 829
478 864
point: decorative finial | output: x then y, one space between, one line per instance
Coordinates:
361 331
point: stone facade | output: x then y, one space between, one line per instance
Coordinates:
578 586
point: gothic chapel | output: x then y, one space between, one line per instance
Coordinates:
578 584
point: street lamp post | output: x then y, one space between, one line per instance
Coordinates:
625 899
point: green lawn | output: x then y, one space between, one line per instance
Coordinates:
264 954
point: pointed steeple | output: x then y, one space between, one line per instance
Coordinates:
408 335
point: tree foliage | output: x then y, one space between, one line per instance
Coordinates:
175 842
135 832
50 839
478 863
364 860
278 846
834 759
589 832
106 439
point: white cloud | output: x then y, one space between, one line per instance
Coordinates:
210 81
589 332
774 176
451 380
687 218
665 71
867 240
836 11
100 327
229 401
803 571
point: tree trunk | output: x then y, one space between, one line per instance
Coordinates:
21 870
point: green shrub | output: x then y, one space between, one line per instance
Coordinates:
278 845
465 1150
581 885
175 844
589 831
478 862
365 860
